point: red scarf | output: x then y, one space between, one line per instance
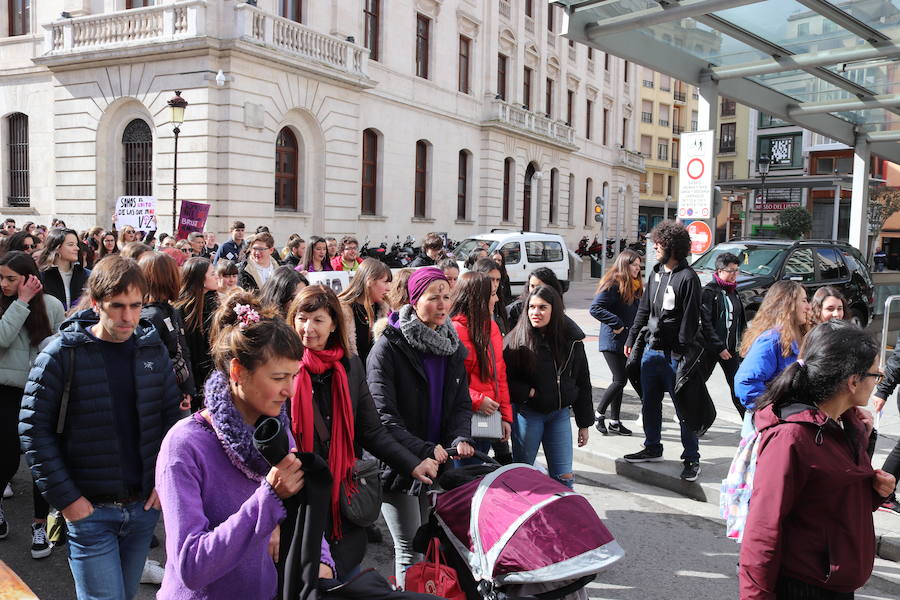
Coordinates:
340 455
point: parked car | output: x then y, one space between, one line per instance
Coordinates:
812 263
524 251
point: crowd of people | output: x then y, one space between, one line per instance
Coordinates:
135 369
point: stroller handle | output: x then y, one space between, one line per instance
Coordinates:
454 453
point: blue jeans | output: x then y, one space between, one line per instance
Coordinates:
531 429
107 550
657 378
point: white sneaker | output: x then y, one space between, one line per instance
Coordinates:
153 572
40 545
7 491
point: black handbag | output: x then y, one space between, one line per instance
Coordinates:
364 505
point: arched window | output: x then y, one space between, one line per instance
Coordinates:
369 172
588 202
17 126
137 142
527 193
462 186
421 181
509 167
287 153
554 196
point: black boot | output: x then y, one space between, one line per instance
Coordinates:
601 425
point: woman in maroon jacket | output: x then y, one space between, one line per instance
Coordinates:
809 532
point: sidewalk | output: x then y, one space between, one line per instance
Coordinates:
717 447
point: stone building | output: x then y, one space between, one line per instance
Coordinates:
317 116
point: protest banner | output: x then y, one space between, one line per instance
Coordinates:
336 280
192 217
137 211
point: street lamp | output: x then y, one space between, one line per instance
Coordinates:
762 167
177 104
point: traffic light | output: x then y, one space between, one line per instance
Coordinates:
599 209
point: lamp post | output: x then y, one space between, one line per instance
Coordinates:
177 104
762 166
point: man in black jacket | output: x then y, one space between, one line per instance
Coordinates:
97 404
670 309
432 251
231 250
723 321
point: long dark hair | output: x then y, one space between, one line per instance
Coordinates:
310 250
192 296
524 339
486 265
830 354
55 240
822 294
37 325
547 277
280 289
620 276
471 298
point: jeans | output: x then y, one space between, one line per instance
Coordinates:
657 378
612 397
531 429
404 514
107 550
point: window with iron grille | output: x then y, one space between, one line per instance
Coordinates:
462 186
287 153
372 12
662 150
18 160
526 89
501 76
137 141
19 17
369 172
727 137
463 78
423 35
421 179
508 166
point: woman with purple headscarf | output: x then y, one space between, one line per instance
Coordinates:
417 376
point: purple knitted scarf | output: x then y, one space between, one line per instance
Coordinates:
235 436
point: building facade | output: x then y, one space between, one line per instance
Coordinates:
368 117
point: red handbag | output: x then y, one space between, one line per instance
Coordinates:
431 576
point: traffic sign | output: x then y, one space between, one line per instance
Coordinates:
695 182
701 236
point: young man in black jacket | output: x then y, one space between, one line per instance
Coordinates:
670 308
723 321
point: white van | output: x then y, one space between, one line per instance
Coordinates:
523 251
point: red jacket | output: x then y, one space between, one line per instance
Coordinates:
478 389
337 263
811 511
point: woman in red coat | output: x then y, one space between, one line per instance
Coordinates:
809 532
473 304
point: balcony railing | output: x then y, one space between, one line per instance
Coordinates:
675 163
514 116
680 97
694 125
630 160
648 83
726 147
646 117
260 27
505 10
163 23
677 129
664 122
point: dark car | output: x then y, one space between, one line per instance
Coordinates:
812 263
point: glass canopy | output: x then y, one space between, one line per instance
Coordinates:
792 59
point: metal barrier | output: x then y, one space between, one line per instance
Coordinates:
884 328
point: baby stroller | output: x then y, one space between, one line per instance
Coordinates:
514 532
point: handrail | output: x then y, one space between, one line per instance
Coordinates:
884 328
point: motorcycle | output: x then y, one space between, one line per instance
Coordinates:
582 247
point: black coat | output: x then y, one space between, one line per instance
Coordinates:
422 260
198 342
557 384
170 328
53 284
712 319
674 328
400 390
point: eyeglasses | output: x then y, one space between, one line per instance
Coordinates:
729 270
258 249
878 377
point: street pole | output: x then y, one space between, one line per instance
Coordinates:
175 184
603 231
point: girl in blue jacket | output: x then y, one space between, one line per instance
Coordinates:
771 343
615 306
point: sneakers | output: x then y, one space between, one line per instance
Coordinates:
890 505
153 572
618 429
40 545
601 425
7 491
643 456
4 526
691 470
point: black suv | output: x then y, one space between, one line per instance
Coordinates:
812 263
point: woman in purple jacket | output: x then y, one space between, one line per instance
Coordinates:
222 501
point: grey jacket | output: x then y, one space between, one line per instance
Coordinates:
16 352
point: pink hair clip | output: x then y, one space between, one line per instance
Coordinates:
246 315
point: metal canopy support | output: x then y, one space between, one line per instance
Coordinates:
662 14
822 58
835 219
845 20
859 204
707 120
812 108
